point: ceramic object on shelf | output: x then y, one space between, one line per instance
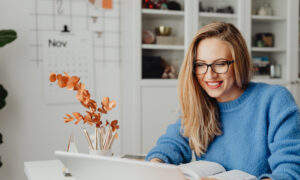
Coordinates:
163 30
269 9
265 10
262 11
264 39
148 37
275 71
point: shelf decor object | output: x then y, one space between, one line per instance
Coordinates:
105 133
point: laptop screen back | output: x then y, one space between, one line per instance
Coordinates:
89 167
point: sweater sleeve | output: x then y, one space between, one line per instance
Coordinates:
172 147
284 137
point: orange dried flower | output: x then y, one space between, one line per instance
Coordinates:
52 77
69 118
114 125
108 105
72 82
62 80
84 97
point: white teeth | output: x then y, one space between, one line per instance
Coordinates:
213 84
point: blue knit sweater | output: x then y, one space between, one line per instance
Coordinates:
261 135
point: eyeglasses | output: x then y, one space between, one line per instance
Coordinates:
219 66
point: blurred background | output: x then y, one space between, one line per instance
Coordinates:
129 50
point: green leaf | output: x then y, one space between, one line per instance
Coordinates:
7 36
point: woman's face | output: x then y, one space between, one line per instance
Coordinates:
220 86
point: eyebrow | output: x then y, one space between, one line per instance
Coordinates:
197 60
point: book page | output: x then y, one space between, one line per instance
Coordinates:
234 174
197 169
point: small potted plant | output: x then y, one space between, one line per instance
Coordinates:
6 36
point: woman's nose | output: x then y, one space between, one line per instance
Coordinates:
210 73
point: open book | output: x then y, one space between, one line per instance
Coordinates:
198 169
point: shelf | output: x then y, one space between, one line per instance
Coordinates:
162 47
217 15
267 79
174 82
159 13
159 82
267 18
267 49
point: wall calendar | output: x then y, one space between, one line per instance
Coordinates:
71 53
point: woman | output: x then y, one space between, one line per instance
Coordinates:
253 127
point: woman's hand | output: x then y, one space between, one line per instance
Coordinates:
156 160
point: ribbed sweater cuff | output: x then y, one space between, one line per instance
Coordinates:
159 156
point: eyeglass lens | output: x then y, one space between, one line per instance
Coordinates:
219 67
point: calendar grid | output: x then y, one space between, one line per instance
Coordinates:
67 53
60 12
102 26
83 16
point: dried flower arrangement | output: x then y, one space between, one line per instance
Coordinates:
105 134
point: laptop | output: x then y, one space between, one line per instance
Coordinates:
90 167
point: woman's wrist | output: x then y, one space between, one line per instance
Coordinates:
156 160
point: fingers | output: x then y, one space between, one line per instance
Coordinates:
156 160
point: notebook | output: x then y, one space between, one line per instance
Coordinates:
89 167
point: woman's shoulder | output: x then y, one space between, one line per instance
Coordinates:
272 92
265 88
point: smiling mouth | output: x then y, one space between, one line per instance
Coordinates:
213 84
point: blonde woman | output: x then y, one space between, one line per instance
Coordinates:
225 118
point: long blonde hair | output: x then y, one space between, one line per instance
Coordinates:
200 113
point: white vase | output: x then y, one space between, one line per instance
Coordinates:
262 11
101 152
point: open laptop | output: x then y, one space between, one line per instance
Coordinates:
89 167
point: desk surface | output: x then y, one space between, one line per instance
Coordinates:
45 170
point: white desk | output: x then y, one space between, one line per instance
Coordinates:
45 170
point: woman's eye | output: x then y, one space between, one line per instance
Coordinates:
201 65
220 64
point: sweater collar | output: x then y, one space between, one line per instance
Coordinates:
235 104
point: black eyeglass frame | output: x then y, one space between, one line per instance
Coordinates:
228 62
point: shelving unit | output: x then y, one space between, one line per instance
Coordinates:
208 17
217 15
163 47
152 18
161 92
267 18
154 12
267 79
159 83
277 25
156 100
267 49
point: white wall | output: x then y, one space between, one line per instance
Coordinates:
33 130
128 138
